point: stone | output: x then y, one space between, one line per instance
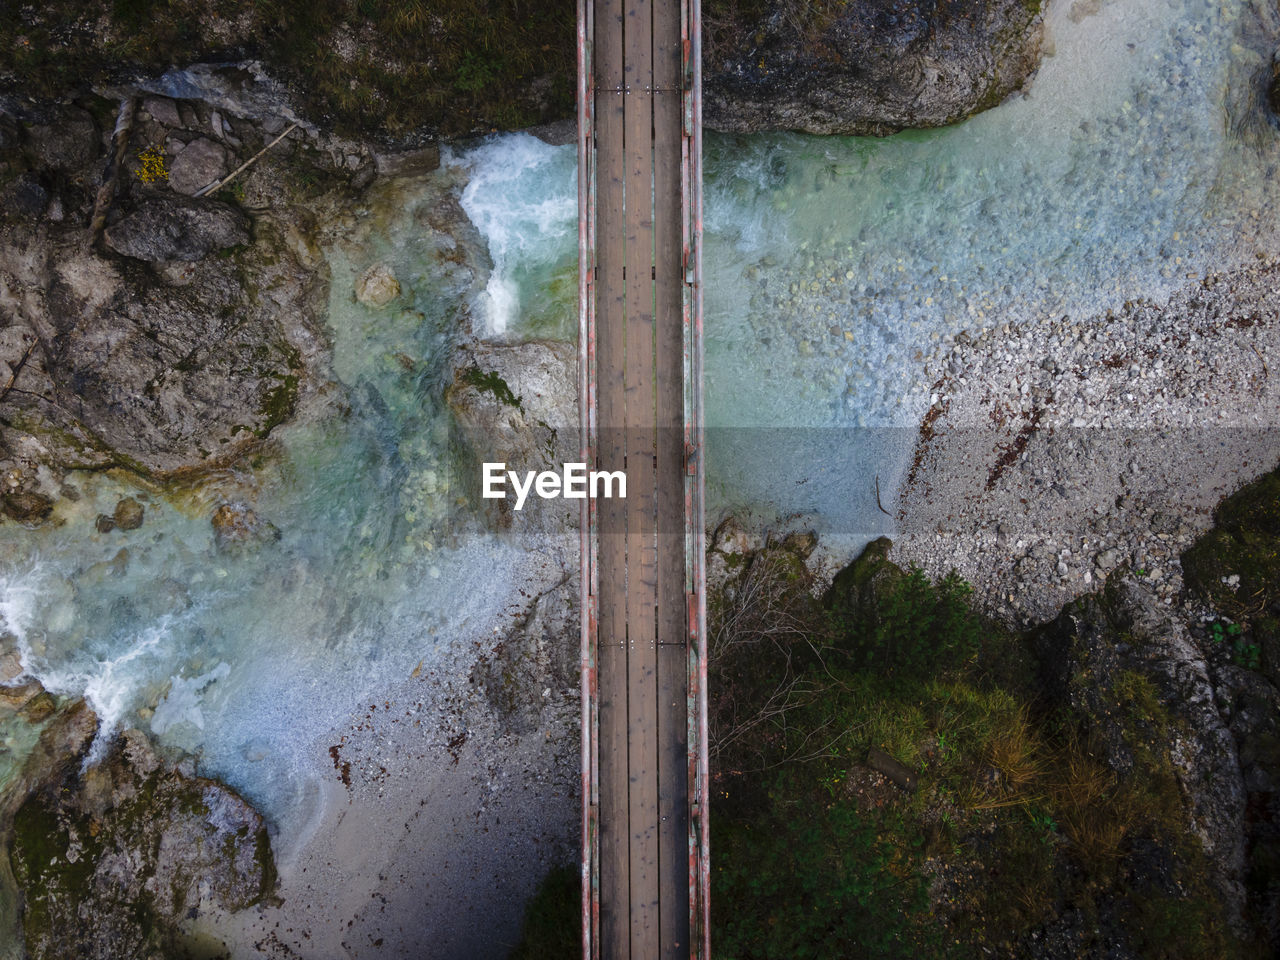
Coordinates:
150 379
801 543
162 110
162 229
15 696
39 708
237 525
128 514
198 164
26 506
899 773
377 286
867 68
517 403
105 523
10 660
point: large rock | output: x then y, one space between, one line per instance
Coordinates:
136 849
161 229
1121 661
158 370
197 165
872 67
26 506
128 514
517 403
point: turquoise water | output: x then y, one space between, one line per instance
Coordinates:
833 267
246 659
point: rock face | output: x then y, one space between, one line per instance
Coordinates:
136 849
183 335
1126 664
872 67
164 229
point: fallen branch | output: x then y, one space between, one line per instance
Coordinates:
219 184
878 503
107 192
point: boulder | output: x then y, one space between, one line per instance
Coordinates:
162 229
377 286
517 403
237 526
197 165
162 110
26 506
138 848
873 67
159 371
128 514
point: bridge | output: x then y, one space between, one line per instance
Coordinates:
644 749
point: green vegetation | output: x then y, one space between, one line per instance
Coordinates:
368 67
1015 818
1014 815
491 383
1236 565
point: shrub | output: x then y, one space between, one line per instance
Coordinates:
806 876
914 629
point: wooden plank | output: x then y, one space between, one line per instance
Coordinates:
607 52
642 581
614 788
673 760
613 754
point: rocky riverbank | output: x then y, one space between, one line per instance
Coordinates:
1053 454
402 74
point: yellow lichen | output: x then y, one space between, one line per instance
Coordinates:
152 168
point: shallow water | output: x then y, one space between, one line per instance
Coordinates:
832 266
246 658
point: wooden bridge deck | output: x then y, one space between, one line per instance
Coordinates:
644 758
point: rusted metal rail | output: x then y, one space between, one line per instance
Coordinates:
645 851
